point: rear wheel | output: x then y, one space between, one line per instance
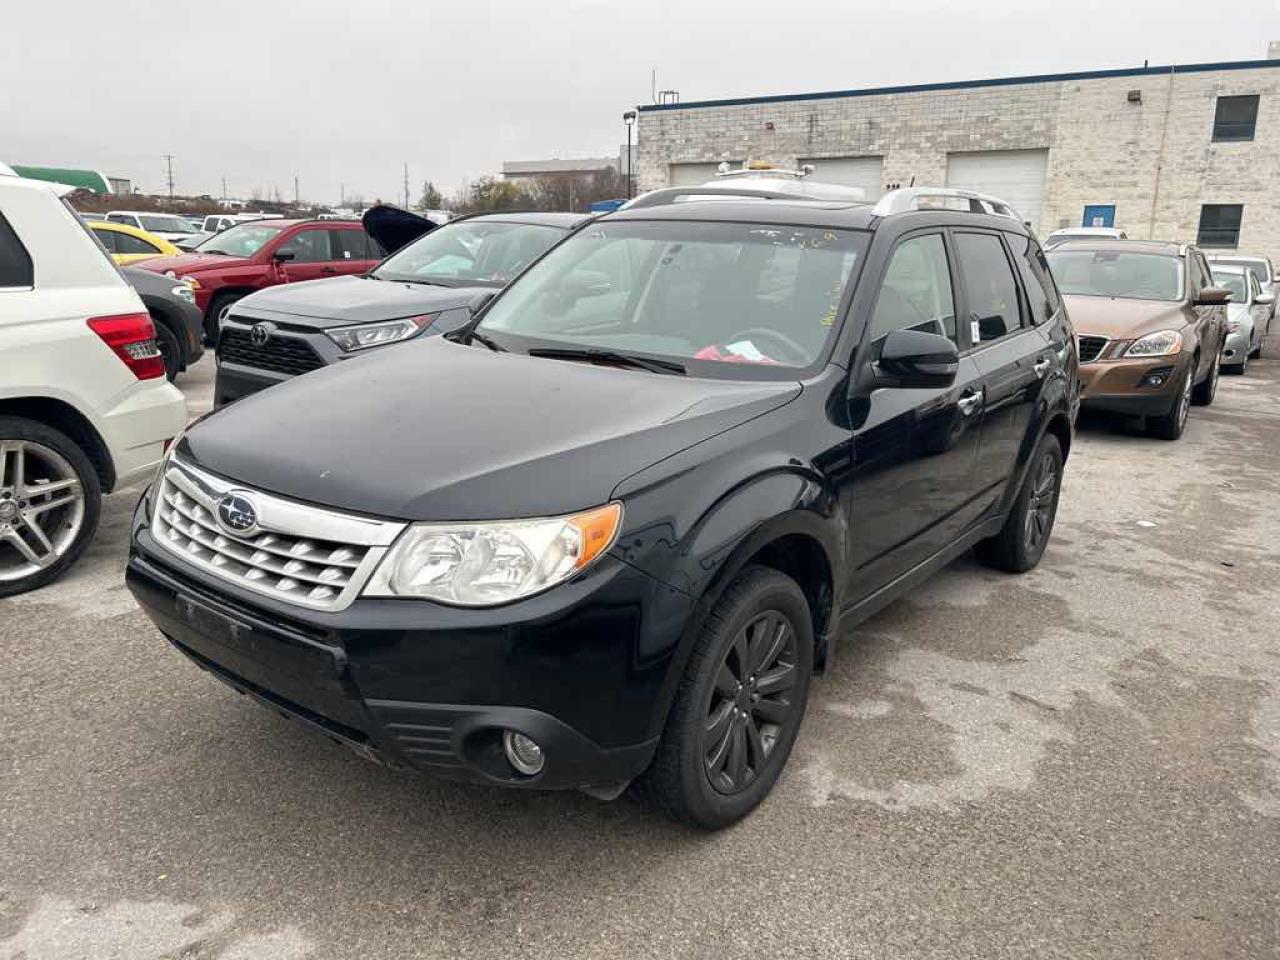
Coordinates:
1170 425
50 499
1203 393
740 704
1021 541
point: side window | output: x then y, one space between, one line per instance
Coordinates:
309 246
351 245
994 310
916 292
128 244
15 263
108 239
1036 278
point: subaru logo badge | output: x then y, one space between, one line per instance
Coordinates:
236 515
260 333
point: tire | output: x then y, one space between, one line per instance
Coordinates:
170 348
1169 426
684 779
65 524
1022 540
1238 369
219 303
1204 392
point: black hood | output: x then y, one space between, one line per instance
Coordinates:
434 430
337 301
394 228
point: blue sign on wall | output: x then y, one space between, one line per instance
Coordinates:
1099 215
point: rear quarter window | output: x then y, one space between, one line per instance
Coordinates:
16 268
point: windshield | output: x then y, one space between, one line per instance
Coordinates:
1259 268
477 252
1113 273
242 241
1233 282
165 224
725 299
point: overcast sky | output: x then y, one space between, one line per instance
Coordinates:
343 93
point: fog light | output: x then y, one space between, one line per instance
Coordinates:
523 753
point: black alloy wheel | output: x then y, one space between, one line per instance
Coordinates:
1042 503
739 704
750 703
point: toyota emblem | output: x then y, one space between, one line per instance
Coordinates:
260 333
237 515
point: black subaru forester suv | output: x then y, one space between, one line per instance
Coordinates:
609 530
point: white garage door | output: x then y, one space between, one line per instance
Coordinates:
864 172
1015 176
684 174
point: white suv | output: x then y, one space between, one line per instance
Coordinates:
85 407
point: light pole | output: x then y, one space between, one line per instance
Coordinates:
629 118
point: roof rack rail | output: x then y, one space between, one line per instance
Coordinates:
748 188
906 199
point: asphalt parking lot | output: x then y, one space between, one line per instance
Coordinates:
1080 762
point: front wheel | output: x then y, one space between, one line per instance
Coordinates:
739 706
213 316
50 499
1021 541
1170 425
170 349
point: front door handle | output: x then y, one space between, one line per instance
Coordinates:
328 270
1042 367
970 401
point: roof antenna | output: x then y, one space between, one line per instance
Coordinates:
1144 64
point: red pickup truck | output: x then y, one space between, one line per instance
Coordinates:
263 253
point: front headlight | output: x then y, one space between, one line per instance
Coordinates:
489 563
378 334
1158 344
183 291
191 281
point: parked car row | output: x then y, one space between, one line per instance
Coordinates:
572 502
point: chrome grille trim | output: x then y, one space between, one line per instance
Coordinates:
1090 348
305 555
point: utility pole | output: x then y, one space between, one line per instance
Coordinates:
295 190
342 194
224 190
168 159
406 185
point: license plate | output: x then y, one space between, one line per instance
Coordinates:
210 623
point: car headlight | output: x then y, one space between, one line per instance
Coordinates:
378 334
1158 344
183 291
489 563
191 281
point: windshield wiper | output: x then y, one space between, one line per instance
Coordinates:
487 341
609 356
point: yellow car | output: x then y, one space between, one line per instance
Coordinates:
129 244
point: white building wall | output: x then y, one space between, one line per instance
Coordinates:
1102 148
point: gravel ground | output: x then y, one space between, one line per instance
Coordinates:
1079 762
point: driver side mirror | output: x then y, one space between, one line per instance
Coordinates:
1265 298
283 256
1211 297
480 301
914 359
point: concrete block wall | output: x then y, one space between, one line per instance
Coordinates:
1102 148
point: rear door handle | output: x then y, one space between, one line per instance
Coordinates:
328 270
1042 367
970 401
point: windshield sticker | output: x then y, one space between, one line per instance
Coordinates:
743 351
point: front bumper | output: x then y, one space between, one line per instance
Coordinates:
1236 348
1123 386
580 669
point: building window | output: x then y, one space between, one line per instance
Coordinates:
1220 225
1236 117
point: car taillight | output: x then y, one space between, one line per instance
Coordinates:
132 338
